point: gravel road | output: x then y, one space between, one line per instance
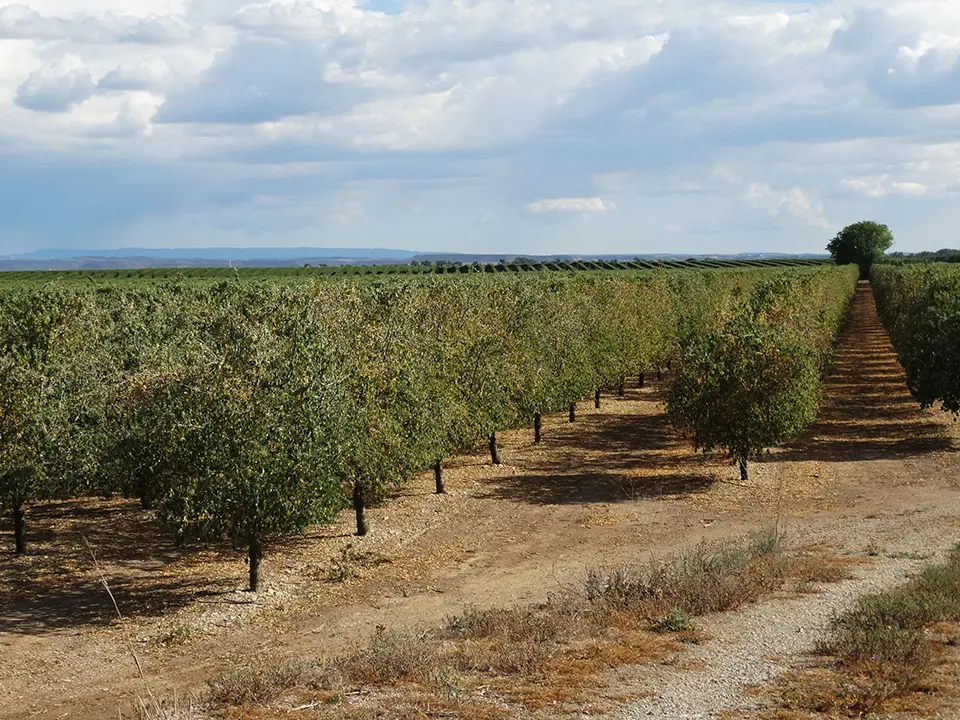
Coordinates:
759 642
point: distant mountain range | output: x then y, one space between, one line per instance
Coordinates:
125 258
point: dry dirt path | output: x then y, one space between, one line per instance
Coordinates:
616 485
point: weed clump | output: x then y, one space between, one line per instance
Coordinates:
391 657
534 656
709 578
257 685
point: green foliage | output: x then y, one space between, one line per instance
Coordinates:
744 388
754 382
251 408
862 243
881 642
239 430
920 307
49 405
946 255
144 276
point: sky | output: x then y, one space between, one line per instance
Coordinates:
521 126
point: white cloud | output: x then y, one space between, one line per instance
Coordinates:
765 121
795 203
799 205
570 205
57 87
141 74
20 21
881 186
909 188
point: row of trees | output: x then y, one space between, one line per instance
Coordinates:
756 379
920 307
250 410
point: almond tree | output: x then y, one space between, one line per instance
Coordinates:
242 429
755 381
744 388
920 307
49 399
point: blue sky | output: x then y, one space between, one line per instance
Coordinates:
529 126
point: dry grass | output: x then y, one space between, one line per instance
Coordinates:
391 657
889 651
174 708
709 578
259 684
483 663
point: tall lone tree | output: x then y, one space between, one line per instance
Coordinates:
862 243
744 388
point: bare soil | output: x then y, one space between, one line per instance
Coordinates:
618 484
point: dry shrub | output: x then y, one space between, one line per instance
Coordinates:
258 685
174 708
818 568
399 705
512 641
391 657
709 578
840 691
538 623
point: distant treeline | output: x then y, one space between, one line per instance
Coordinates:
944 255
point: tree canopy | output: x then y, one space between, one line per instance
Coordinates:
862 243
754 380
744 388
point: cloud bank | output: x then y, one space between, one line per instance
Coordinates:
545 126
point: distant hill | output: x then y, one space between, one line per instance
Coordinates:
129 258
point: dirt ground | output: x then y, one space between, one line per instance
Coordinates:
618 484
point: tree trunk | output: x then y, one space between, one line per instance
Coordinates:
438 476
494 450
596 399
622 390
573 412
641 379
146 496
256 552
537 428
20 528
743 469
362 527
659 374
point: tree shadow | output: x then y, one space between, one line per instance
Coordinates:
593 487
38 605
57 584
868 411
596 461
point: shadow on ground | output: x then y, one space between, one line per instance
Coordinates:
868 414
57 584
608 458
